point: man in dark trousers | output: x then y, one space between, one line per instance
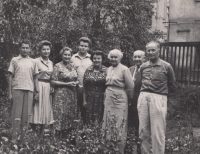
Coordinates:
133 120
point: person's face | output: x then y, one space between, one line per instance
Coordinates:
114 59
45 51
97 60
83 47
66 56
138 58
24 50
152 51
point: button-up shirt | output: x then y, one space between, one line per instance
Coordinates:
157 78
81 63
23 70
45 68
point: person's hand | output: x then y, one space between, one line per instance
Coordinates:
10 98
36 97
72 84
51 90
84 103
77 82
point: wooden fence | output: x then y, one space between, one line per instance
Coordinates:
183 56
185 59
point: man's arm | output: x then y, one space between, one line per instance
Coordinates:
171 80
10 78
36 95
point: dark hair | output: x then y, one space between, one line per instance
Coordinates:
24 42
85 40
65 49
97 52
44 42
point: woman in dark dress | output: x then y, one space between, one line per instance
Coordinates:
94 87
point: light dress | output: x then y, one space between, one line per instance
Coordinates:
42 111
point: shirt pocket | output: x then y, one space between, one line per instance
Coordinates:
160 76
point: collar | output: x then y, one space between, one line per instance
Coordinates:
157 63
48 61
46 64
87 56
102 69
20 57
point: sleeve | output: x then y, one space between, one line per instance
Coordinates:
72 59
54 75
35 71
128 83
11 67
171 79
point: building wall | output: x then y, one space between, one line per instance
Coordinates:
184 16
160 17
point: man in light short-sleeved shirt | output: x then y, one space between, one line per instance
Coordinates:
82 61
22 82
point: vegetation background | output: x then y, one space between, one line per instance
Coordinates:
122 24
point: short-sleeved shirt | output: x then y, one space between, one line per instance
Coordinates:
157 78
81 64
44 68
23 70
120 76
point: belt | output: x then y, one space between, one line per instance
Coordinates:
115 88
44 80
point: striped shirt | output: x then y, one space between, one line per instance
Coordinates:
81 64
23 70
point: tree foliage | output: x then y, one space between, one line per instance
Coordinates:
123 24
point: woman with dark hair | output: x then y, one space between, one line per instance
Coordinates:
94 87
64 79
42 112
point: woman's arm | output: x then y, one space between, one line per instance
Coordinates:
60 83
84 99
129 84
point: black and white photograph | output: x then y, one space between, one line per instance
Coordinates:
99 76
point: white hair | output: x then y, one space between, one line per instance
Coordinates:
139 51
115 51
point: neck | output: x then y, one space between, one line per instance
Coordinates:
115 65
153 61
45 58
65 63
97 68
82 54
24 56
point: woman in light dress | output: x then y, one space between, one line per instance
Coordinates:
42 112
119 90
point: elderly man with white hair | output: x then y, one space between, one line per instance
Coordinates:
157 80
138 59
119 89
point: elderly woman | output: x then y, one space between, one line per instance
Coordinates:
43 113
64 80
119 88
94 83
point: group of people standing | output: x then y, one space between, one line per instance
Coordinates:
81 87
